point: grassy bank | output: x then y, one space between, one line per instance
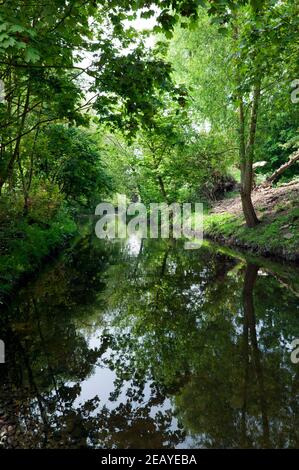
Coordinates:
275 236
27 241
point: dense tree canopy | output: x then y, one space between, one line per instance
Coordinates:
204 103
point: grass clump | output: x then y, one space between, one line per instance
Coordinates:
278 237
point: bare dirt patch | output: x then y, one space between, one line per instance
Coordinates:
266 200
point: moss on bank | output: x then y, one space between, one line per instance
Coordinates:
274 237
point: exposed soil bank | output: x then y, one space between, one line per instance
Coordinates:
278 233
265 200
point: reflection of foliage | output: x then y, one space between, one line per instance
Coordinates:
129 427
46 351
181 323
45 348
255 391
200 327
162 307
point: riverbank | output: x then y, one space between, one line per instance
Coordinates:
277 235
27 242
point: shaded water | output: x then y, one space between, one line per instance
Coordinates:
147 345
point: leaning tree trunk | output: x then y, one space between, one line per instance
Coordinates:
294 158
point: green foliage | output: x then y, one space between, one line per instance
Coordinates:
69 157
170 160
168 116
27 242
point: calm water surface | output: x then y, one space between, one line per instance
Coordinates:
148 345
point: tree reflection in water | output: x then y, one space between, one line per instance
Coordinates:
196 340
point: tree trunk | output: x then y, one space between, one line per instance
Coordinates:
248 209
8 171
162 188
247 155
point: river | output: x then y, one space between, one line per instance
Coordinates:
143 344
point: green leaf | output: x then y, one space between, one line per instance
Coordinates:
31 55
3 26
21 45
3 36
9 42
16 28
